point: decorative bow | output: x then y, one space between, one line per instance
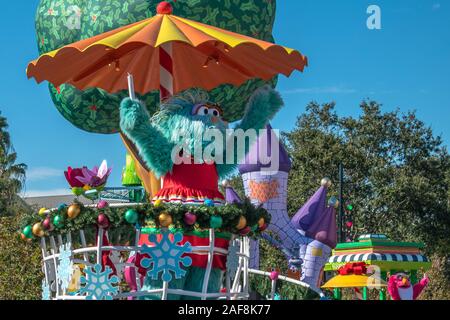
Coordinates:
357 268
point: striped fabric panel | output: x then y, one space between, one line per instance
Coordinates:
378 257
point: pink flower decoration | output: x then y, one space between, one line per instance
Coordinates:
72 176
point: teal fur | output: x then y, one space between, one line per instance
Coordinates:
156 137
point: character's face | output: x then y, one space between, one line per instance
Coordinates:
191 123
402 281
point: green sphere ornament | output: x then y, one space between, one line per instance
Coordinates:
28 232
216 222
131 216
58 221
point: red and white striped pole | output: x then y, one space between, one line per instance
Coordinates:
165 71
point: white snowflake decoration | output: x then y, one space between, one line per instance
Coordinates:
98 284
233 259
166 256
46 295
65 266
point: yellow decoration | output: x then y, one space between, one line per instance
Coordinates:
158 203
73 211
261 222
42 211
354 281
165 219
242 223
315 252
37 230
74 284
87 188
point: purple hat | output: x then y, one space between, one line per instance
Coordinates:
312 209
265 141
324 228
231 196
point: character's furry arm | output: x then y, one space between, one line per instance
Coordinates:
261 108
153 147
418 288
392 289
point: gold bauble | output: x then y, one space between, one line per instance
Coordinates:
242 223
73 211
37 230
326 182
165 220
261 222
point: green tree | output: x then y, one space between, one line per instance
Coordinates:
12 174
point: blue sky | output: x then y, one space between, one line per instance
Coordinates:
406 64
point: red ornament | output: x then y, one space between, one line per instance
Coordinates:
190 219
103 221
245 231
164 7
349 224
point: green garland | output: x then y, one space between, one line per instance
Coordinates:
148 216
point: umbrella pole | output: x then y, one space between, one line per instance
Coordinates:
166 79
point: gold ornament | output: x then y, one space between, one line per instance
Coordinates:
326 182
242 223
73 211
261 222
37 230
165 219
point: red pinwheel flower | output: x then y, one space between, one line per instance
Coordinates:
72 177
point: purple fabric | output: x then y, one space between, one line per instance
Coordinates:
231 196
265 141
311 210
324 228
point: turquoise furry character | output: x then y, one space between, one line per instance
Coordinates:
183 120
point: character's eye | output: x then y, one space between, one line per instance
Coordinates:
214 112
202 111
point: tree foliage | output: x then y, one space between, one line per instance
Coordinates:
12 174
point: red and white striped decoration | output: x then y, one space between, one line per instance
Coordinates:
165 71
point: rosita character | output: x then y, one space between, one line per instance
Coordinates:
400 287
175 133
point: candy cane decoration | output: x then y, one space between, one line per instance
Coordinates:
165 71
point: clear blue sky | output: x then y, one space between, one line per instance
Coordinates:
405 65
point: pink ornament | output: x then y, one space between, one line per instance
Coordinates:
47 224
349 224
190 219
274 275
102 204
103 221
245 231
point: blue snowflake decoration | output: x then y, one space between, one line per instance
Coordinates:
166 256
46 295
232 259
98 284
65 266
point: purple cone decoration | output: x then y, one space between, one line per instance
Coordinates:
231 196
310 211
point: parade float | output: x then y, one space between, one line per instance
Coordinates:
187 241
372 261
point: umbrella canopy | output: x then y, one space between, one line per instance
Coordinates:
202 56
354 281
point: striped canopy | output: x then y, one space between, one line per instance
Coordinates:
203 56
378 257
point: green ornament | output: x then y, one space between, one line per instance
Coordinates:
28 232
58 221
216 222
131 216
350 207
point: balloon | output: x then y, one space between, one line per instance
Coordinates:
59 23
131 216
73 211
165 219
216 222
190 219
242 223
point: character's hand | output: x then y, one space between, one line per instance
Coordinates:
132 113
264 103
